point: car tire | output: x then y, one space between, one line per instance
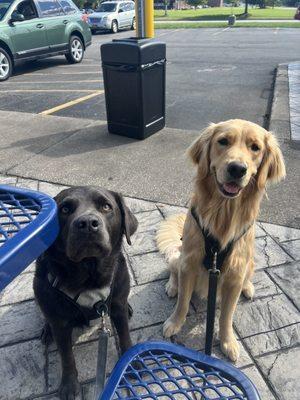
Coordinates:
133 25
94 31
6 65
114 26
76 50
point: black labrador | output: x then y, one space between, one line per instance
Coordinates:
79 270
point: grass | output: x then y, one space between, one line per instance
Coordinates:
207 24
222 13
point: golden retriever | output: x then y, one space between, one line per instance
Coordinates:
235 159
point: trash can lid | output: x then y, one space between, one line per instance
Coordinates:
133 51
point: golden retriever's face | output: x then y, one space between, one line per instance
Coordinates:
237 152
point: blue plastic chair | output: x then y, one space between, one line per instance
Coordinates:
28 226
163 371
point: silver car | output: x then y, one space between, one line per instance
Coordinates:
113 15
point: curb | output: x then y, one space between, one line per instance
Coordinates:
280 112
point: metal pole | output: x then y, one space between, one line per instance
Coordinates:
140 22
144 14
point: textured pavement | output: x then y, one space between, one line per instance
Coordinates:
267 327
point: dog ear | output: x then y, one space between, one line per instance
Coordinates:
129 221
199 150
272 168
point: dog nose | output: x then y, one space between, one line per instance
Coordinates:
87 223
236 170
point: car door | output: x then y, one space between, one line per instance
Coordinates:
29 36
55 21
127 14
122 15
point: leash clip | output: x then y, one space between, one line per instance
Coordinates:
103 326
214 270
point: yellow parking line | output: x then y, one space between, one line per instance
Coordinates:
46 90
71 103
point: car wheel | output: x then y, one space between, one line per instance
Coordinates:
114 26
133 25
5 65
76 50
93 31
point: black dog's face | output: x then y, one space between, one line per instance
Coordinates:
92 221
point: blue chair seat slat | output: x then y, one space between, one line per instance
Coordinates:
162 370
28 226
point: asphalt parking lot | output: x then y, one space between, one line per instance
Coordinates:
213 74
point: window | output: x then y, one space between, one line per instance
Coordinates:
68 6
27 9
4 6
50 8
107 7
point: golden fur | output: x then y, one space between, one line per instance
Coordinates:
225 217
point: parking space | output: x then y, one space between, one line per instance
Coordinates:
213 74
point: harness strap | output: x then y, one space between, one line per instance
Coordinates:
213 261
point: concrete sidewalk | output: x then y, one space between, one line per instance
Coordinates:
74 151
267 327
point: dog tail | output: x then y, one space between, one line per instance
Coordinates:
169 237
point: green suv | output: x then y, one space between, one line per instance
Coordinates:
32 29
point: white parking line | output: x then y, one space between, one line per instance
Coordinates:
65 73
50 82
47 90
219 32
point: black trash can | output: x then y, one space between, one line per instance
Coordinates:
134 73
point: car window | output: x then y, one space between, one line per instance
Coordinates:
107 7
68 6
130 6
50 8
4 6
27 9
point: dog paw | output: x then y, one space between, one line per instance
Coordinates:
46 335
248 290
171 289
69 389
170 328
231 348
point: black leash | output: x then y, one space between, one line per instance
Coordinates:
211 305
213 261
103 310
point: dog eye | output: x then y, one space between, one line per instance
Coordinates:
254 147
106 207
223 142
65 210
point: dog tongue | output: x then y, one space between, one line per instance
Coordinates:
231 187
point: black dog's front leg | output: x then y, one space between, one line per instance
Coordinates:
69 386
119 316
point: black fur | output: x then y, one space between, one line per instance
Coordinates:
84 256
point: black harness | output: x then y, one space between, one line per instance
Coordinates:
100 309
213 261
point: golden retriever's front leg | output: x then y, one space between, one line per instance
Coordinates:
230 294
186 283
